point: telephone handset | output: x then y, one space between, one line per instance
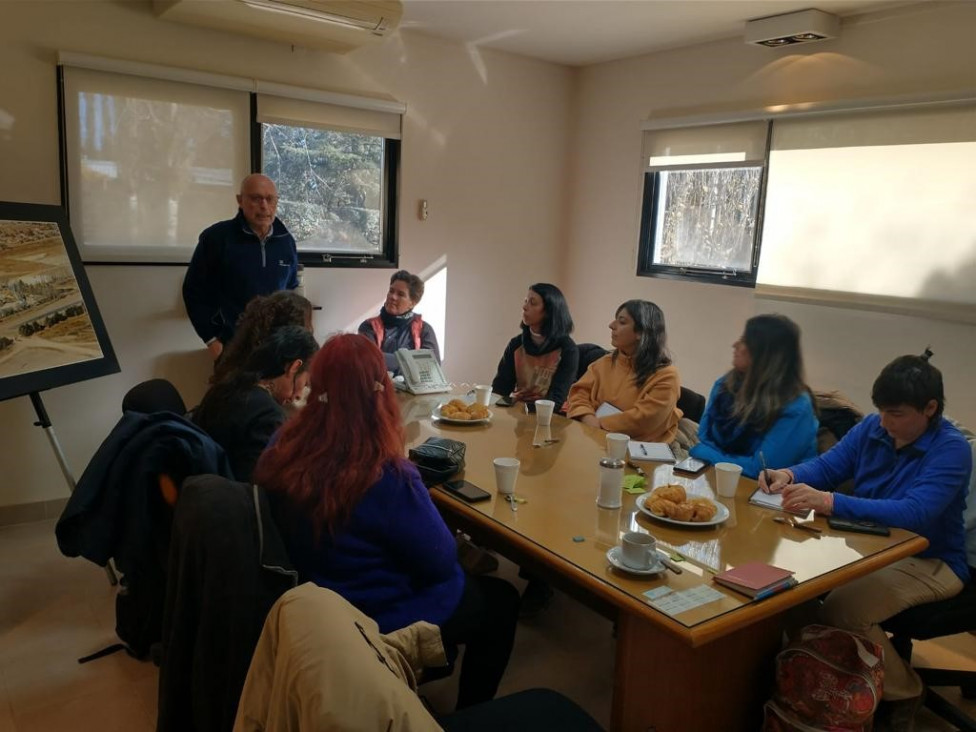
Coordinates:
421 372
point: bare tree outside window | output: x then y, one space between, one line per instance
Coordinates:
706 218
330 186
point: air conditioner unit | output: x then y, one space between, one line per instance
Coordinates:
333 25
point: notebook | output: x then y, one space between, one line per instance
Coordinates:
772 500
606 410
657 451
756 579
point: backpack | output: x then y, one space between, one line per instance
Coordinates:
829 679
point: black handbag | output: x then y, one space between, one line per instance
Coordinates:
438 459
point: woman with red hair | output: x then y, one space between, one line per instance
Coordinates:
357 519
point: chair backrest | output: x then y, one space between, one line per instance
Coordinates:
692 404
588 353
154 395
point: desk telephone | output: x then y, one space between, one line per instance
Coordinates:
421 372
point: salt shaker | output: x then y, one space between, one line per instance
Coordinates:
611 483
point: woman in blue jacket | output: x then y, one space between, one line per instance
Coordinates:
762 405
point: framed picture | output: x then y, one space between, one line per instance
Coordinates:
51 333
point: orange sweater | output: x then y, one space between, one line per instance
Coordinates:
649 413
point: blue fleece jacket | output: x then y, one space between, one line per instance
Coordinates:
793 436
231 265
921 487
395 560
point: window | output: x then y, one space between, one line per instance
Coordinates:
335 169
701 210
872 205
150 163
153 155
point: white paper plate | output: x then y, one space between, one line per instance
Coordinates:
721 514
613 556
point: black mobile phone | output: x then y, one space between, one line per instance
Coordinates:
861 527
466 491
691 466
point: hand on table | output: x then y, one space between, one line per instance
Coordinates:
524 395
801 497
592 420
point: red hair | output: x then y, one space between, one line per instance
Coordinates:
330 453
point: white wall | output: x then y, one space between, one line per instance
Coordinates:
485 142
919 49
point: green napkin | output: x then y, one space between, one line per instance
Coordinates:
635 484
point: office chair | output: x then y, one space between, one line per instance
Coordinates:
692 404
588 353
932 620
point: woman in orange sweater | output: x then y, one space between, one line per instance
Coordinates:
636 384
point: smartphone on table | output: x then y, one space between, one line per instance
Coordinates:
860 527
466 491
691 466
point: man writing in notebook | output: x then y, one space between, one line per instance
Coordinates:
251 254
911 470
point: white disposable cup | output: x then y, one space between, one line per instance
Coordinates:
727 478
611 486
543 411
637 550
482 395
617 445
506 471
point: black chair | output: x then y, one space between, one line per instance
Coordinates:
932 620
155 395
692 404
588 353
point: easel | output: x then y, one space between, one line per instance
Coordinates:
44 422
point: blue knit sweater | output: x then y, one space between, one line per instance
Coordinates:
395 559
793 436
921 487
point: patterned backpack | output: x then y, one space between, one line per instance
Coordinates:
828 679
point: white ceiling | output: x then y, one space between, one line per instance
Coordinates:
582 32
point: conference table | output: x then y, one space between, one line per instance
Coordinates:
678 667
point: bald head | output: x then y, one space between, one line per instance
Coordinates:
258 200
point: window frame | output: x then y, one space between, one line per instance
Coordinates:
650 216
387 258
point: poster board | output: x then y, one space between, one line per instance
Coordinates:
51 333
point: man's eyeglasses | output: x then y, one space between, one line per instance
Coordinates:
255 198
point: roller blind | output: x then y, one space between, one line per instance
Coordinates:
302 113
150 163
873 204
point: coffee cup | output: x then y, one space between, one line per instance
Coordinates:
543 411
482 395
727 479
617 445
637 550
506 471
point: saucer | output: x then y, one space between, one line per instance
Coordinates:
613 556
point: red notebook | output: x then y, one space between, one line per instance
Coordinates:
756 579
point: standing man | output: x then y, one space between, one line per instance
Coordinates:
251 254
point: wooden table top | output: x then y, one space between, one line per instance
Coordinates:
560 525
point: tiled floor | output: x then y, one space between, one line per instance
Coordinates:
54 610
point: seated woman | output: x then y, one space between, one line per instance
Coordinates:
636 379
246 408
398 326
357 519
261 316
911 471
762 405
541 362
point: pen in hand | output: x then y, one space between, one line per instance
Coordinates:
765 470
